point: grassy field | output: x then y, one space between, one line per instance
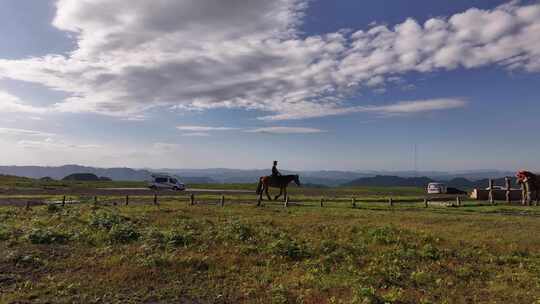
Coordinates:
177 253
242 254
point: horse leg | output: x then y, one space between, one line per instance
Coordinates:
267 194
285 196
280 193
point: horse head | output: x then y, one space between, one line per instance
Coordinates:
297 180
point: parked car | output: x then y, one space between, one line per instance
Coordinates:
436 188
165 181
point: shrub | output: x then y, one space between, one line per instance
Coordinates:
386 235
154 236
23 260
46 236
421 278
5 234
429 251
178 238
286 247
328 246
123 233
53 208
240 231
155 260
106 220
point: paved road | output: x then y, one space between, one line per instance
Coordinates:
119 191
187 190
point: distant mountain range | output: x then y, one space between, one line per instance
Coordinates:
125 174
221 175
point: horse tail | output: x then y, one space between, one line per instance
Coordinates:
259 187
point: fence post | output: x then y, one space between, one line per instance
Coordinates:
192 199
63 201
391 202
491 196
508 194
222 201
127 200
322 202
95 200
353 200
286 201
426 202
28 206
458 201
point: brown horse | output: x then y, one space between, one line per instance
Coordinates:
532 185
280 182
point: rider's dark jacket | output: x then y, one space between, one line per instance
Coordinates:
275 171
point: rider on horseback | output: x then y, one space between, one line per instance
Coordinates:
275 171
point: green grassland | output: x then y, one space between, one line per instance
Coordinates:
242 254
177 253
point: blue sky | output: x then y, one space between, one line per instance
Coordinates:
349 85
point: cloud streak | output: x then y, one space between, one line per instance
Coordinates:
24 132
132 57
203 128
399 108
286 130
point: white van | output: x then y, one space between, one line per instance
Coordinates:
165 181
436 188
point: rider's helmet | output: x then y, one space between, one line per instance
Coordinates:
275 163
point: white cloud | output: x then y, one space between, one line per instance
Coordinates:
286 130
417 106
402 107
40 140
12 104
24 132
203 128
50 144
196 134
136 55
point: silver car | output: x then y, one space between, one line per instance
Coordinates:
165 182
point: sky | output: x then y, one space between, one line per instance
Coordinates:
315 84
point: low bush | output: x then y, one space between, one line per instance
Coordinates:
23 260
240 231
53 208
123 233
287 247
386 235
429 251
46 236
105 220
5 234
179 238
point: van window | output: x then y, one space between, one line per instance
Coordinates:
161 180
173 180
